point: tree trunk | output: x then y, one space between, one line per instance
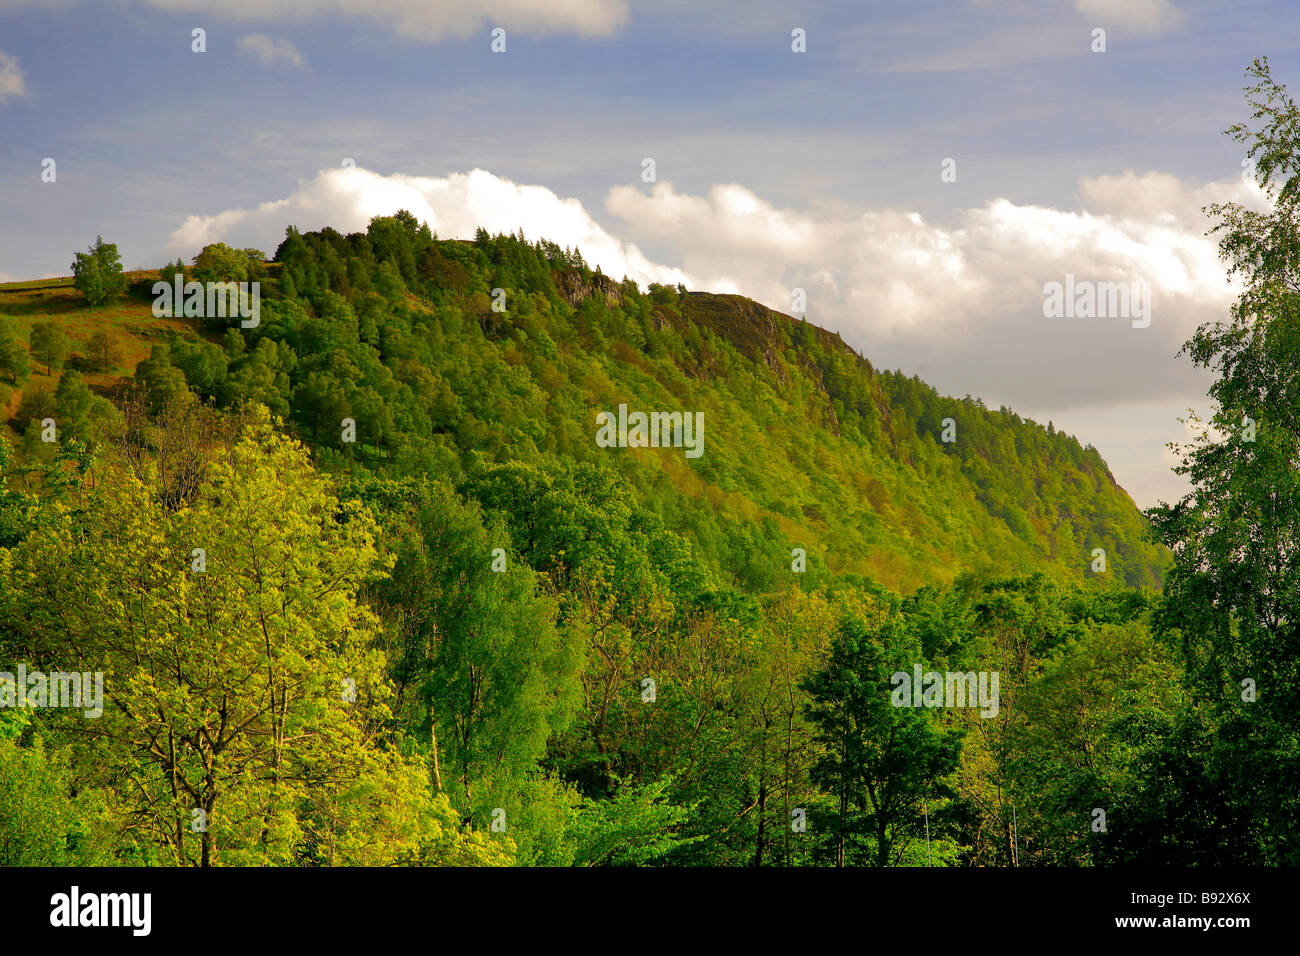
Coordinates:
762 800
437 771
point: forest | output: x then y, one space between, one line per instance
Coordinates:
364 588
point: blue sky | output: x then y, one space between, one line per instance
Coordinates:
775 169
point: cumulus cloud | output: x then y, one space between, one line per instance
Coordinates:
426 20
454 207
12 83
962 302
1141 16
271 51
1162 199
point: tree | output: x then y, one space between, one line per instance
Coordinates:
256 263
877 759
46 819
494 679
218 262
97 274
50 344
1233 593
103 350
163 384
801 625
1102 700
14 359
73 401
244 693
171 270
37 403
78 412
636 827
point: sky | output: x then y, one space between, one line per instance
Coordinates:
921 169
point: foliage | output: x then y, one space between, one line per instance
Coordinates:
1233 595
97 274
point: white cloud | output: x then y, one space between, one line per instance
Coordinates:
11 77
1162 199
454 207
427 20
271 51
1141 16
965 299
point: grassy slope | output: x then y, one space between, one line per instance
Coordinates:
900 506
44 300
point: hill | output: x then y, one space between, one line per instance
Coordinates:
806 444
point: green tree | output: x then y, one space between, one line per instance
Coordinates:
46 819
97 274
637 827
258 708
163 384
103 350
218 262
14 360
74 403
494 679
1233 594
171 270
879 761
50 344
256 263
37 403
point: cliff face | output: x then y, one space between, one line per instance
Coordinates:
574 288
